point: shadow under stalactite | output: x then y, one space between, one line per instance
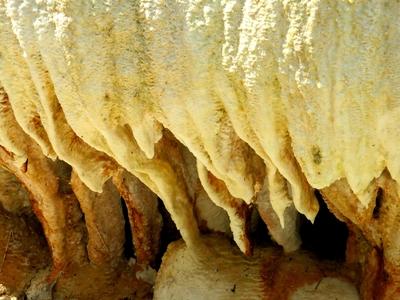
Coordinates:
327 237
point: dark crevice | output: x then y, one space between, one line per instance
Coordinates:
378 203
63 173
327 237
129 251
259 233
169 233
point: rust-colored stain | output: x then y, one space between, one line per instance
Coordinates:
303 270
141 233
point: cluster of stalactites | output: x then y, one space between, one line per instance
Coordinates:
235 102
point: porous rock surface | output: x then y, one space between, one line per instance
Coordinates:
218 108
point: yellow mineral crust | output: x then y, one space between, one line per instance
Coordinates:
302 92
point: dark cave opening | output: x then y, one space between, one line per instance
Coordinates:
327 237
129 250
169 233
378 203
